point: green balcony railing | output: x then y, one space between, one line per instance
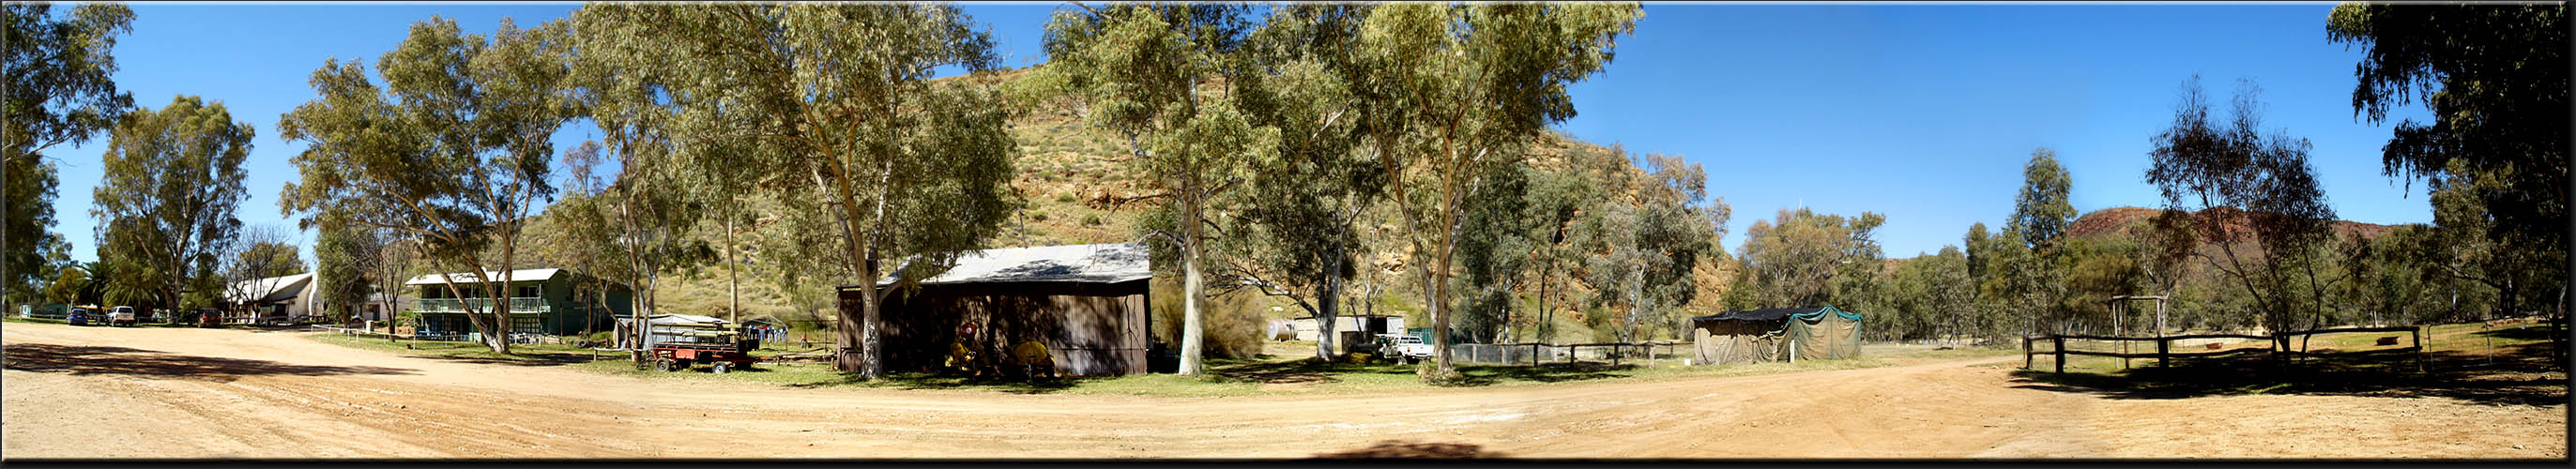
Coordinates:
522 305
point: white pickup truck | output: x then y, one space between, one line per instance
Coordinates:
1404 348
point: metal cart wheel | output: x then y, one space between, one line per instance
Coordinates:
662 364
722 367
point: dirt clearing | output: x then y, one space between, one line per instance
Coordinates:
93 392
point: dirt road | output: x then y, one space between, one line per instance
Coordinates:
92 392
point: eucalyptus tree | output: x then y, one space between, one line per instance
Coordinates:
2041 213
1171 79
2495 78
648 206
1640 251
1473 85
831 100
1799 258
170 184
452 151
58 89
344 257
2231 180
1300 214
579 232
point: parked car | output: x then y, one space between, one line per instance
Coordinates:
79 317
121 316
202 317
1403 348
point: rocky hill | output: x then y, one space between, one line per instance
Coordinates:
1064 163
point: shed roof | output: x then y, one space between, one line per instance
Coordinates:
515 276
1075 263
1765 314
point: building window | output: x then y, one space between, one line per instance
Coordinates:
528 291
523 325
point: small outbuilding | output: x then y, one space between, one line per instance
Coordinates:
1086 303
1775 334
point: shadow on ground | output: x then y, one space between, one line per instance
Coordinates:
98 360
1316 371
912 381
1400 449
2526 374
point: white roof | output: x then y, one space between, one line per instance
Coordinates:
668 318
267 289
1086 263
515 276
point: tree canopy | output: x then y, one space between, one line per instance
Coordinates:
171 183
59 90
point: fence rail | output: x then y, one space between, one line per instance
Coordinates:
2278 345
458 305
1535 353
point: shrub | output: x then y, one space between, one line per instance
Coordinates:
1091 219
1038 216
1064 197
1234 323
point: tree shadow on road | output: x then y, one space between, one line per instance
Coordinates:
108 360
1309 371
2524 374
917 381
1401 449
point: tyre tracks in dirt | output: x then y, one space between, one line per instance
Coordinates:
283 396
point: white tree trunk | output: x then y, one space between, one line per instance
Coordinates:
1193 339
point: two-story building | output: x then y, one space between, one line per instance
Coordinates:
540 301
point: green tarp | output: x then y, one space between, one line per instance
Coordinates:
1779 334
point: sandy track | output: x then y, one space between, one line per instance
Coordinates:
154 392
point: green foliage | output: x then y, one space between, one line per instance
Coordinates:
1467 86
1302 211
59 90
1926 297
1804 259
1639 255
2231 179
67 284
2495 157
452 152
820 99
1139 68
170 183
2041 212
2495 80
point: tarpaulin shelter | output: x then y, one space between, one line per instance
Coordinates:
1775 334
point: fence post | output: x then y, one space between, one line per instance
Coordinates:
2417 333
2060 347
2025 352
2163 353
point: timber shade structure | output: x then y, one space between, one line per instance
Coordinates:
1775 334
1086 303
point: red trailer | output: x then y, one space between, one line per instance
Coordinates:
679 356
678 342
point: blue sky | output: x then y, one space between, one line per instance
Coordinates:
1922 112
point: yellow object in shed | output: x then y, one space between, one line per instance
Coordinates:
1031 352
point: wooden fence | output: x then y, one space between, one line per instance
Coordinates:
1573 352
2164 354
